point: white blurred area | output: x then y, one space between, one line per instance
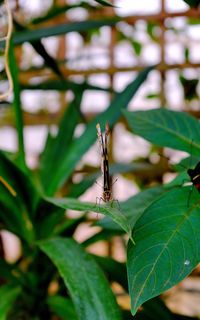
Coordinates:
96 55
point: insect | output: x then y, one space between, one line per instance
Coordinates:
194 175
103 141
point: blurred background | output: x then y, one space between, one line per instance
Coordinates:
126 38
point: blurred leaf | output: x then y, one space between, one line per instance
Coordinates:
151 27
105 3
116 214
56 147
37 34
17 107
62 86
89 289
193 3
166 128
80 145
8 295
63 307
40 49
153 95
54 12
187 54
137 46
189 87
116 271
167 245
17 212
134 207
47 217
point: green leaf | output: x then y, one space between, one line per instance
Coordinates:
37 34
113 212
17 106
167 245
54 12
62 86
133 208
165 128
17 210
63 307
137 46
105 3
88 287
8 295
84 142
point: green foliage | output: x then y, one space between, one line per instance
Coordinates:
161 223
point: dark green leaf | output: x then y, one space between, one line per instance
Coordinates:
8 295
166 128
90 292
17 106
189 87
137 46
63 86
82 144
80 26
193 3
17 211
105 3
167 245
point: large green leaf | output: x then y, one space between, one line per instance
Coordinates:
82 144
88 287
8 295
167 245
166 128
112 211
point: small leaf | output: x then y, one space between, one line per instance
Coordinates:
88 287
166 128
167 245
